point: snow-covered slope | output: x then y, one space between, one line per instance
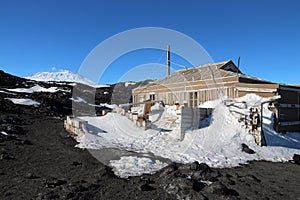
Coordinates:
64 76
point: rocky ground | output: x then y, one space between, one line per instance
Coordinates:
38 160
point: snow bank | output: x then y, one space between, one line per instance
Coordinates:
210 104
27 102
33 89
251 99
218 144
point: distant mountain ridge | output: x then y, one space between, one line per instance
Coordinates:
64 76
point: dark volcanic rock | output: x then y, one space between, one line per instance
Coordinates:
52 182
220 189
5 156
246 149
75 163
296 159
7 137
31 176
168 170
8 80
147 187
23 142
12 129
48 195
197 185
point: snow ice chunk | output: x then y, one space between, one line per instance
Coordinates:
4 133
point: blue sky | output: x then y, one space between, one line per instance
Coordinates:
47 35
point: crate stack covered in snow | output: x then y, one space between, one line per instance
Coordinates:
75 126
248 115
139 115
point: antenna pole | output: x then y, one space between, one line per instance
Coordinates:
239 61
168 61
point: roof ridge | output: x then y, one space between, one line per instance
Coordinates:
206 65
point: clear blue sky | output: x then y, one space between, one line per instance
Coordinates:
46 35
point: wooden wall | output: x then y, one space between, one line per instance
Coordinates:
288 110
201 93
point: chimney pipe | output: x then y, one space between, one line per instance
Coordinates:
168 61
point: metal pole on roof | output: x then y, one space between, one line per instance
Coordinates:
239 61
168 61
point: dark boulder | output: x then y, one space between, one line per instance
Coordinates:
53 182
12 129
221 190
147 187
296 159
246 149
198 186
5 156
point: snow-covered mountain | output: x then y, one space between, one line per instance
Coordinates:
63 76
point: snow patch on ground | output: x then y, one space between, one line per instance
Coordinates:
129 83
218 144
78 100
108 105
135 166
1 91
27 102
33 89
